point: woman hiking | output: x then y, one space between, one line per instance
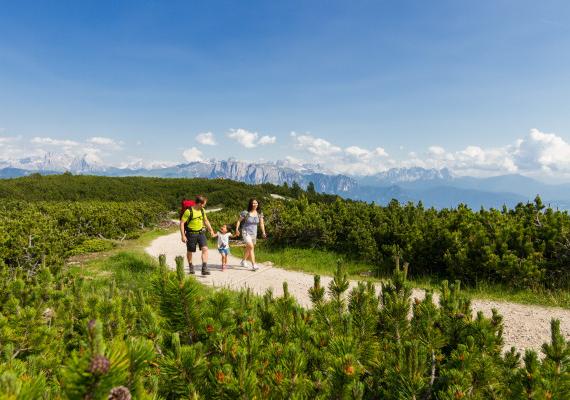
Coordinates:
193 225
249 220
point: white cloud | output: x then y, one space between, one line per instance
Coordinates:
245 138
206 138
357 152
105 141
54 142
249 139
140 163
537 154
380 152
436 151
352 160
266 140
315 146
4 140
192 154
92 156
545 151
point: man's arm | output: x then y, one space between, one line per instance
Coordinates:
207 223
182 230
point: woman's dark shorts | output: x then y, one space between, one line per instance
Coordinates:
193 238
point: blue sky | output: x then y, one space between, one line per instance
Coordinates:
439 83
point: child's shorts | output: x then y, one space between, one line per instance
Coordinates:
224 250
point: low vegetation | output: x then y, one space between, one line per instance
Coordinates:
123 326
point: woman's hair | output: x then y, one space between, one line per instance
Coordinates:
201 199
250 205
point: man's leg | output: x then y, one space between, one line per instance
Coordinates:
204 248
189 257
205 261
190 249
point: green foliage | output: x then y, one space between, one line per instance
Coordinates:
173 338
134 329
45 233
167 192
94 245
527 247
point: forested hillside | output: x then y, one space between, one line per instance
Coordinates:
169 192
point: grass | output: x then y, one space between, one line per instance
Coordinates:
324 263
100 264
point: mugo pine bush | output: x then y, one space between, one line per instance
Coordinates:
150 333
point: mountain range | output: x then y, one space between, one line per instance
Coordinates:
433 187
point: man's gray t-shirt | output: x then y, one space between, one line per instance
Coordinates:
249 223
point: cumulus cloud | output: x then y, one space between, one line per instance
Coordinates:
104 141
140 163
359 153
315 146
537 154
206 138
192 154
249 139
7 139
545 151
352 160
92 155
266 140
356 152
436 151
54 142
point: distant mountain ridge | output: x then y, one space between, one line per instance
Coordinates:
434 187
253 173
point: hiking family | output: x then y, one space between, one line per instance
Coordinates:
193 225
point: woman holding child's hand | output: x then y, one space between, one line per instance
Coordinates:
249 220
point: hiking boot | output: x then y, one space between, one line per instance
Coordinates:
242 263
254 267
205 271
191 269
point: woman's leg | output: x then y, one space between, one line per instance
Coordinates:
252 254
249 252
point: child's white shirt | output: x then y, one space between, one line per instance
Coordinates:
224 240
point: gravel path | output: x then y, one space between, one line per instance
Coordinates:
525 326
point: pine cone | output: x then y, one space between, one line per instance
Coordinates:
99 365
119 393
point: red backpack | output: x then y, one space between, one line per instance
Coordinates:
186 204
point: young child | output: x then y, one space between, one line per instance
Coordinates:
224 244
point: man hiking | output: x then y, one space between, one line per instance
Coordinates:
193 224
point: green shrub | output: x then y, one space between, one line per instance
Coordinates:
94 245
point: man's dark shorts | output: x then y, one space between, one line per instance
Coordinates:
193 238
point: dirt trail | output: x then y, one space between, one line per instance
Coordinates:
525 326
